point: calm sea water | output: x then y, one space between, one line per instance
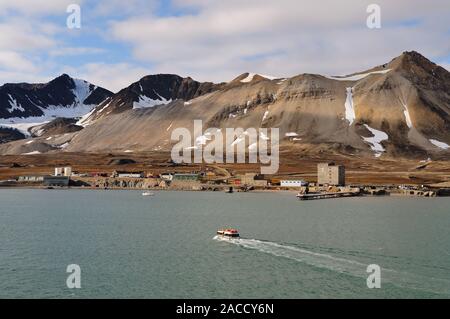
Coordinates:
128 245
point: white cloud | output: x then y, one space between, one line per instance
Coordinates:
35 7
286 37
10 60
110 76
121 7
214 40
21 35
11 76
68 51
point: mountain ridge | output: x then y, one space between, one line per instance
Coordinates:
400 108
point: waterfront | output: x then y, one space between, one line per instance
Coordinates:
163 247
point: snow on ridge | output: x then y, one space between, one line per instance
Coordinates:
250 77
146 102
356 77
15 106
22 124
375 140
350 115
21 127
439 144
78 109
81 91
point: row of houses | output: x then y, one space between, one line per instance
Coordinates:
327 174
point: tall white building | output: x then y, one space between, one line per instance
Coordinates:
63 171
59 171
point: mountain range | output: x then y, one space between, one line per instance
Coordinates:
397 109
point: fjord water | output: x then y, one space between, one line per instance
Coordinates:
131 246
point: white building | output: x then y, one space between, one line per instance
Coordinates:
166 176
59 171
293 183
63 171
67 171
130 175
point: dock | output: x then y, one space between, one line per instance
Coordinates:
326 195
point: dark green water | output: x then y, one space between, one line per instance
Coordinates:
128 245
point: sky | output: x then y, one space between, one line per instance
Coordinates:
212 40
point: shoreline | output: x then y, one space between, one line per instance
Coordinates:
257 191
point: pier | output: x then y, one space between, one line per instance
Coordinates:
326 195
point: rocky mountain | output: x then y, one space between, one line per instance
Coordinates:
398 109
34 103
151 91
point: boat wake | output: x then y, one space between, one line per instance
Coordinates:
342 265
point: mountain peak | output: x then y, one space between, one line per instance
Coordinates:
410 60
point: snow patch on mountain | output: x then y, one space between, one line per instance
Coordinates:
350 115
250 77
356 77
146 102
32 153
407 116
50 113
291 134
266 114
439 144
375 141
15 106
82 91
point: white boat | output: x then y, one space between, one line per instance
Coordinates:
148 194
229 232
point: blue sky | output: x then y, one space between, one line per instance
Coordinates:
121 41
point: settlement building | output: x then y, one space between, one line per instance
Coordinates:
186 177
330 174
30 179
166 176
63 171
293 183
59 181
248 179
130 174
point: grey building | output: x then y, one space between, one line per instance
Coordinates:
59 181
330 174
186 177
